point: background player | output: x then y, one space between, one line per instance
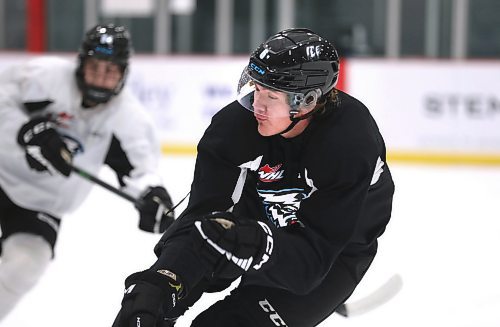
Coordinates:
54 113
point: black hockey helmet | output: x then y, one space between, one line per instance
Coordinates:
296 61
104 42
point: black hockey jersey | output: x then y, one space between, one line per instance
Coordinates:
325 192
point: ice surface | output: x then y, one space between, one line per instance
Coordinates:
444 240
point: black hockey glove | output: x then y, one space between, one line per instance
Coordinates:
155 210
148 296
45 149
229 246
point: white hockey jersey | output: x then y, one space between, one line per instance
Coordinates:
53 79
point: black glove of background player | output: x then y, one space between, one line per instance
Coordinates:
228 246
45 149
148 296
154 205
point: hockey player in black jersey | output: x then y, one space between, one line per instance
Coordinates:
291 191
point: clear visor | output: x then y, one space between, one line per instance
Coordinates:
269 102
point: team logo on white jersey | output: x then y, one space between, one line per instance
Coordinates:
62 119
268 174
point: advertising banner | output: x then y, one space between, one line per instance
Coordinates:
184 93
432 108
428 110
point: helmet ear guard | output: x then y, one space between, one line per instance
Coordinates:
306 101
312 97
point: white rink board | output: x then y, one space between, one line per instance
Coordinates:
183 93
431 106
420 106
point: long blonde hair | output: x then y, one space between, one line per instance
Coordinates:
331 97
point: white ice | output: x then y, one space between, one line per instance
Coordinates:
443 239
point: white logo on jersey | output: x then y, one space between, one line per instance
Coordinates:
281 206
129 289
268 174
378 171
273 315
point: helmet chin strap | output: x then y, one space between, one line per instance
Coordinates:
295 120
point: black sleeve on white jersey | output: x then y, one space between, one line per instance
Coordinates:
118 161
33 107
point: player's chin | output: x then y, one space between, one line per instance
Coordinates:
265 129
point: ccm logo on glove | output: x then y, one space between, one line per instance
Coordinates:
230 246
45 149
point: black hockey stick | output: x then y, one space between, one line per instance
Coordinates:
112 189
137 202
372 301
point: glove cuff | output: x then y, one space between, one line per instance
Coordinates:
167 281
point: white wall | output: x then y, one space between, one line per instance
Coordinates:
425 109
432 106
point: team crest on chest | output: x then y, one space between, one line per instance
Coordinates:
268 174
281 205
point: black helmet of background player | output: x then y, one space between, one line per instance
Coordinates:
296 61
103 42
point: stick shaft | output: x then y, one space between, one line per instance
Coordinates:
88 176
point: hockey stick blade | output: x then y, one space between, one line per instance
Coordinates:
372 301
